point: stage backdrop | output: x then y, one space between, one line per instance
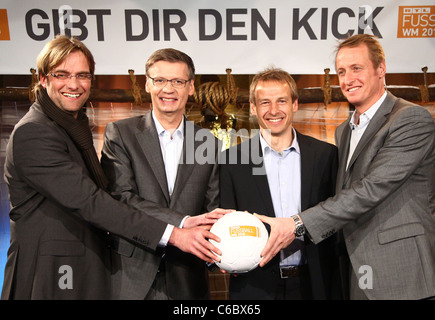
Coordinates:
246 36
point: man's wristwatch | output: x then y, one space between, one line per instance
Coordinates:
299 226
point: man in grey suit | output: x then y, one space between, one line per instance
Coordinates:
60 212
384 202
156 161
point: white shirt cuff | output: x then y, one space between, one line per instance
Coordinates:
168 231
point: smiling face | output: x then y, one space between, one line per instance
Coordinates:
167 101
361 83
274 109
71 94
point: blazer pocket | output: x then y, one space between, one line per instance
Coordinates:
121 246
61 248
400 232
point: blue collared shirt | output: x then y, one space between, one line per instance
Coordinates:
171 147
283 170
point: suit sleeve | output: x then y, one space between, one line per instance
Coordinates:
227 193
333 170
43 160
116 164
212 195
409 140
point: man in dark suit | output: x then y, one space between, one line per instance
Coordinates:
384 202
156 160
59 211
277 173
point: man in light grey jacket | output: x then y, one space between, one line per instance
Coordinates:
384 202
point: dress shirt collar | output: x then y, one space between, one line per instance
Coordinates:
365 118
265 147
162 131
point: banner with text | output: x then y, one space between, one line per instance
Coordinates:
299 36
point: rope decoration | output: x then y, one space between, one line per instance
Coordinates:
212 95
424 90
32 96
212 99
215 96
327 90
137 95
232 88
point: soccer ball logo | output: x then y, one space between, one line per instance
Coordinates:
243 237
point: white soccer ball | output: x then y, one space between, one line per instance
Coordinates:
243 237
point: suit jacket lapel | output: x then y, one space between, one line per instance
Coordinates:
260 180
188 163
307 161
149 142
375 124
343 142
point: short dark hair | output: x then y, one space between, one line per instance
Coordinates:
376 53
171 55
273 74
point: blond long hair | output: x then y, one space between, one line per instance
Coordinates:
55 51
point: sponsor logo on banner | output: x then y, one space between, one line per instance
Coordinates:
416 22
4 26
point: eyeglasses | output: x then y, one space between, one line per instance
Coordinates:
176 83
65 76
